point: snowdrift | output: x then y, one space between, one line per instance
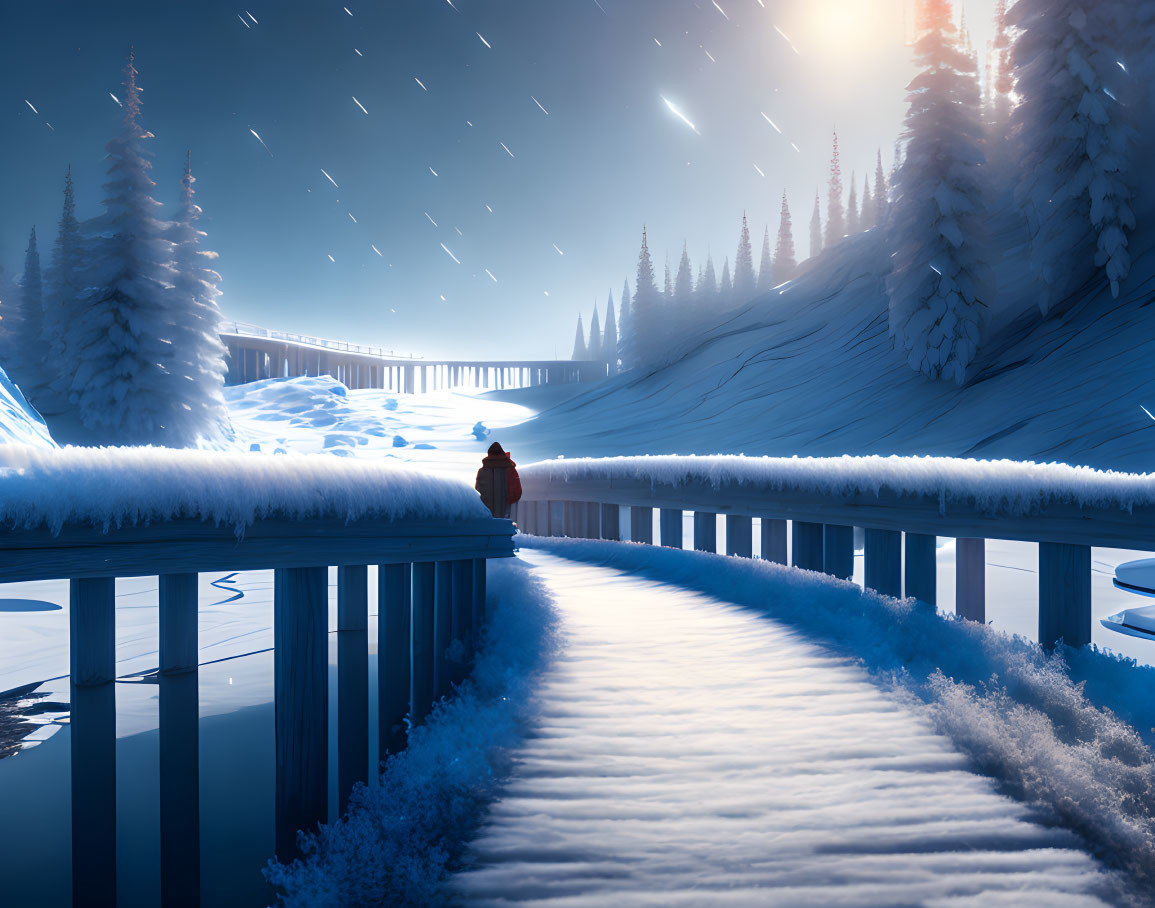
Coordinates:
810 369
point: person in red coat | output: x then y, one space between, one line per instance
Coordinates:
498 482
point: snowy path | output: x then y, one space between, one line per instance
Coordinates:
692 752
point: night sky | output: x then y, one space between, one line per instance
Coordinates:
608 157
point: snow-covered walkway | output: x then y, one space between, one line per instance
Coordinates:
693 752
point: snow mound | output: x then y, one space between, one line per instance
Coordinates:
117 486
19 423
993 486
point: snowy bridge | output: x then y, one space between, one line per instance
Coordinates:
257 353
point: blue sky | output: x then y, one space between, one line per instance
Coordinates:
608 157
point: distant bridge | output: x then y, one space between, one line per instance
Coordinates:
257 353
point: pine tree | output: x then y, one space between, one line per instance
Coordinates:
610 336
645 314
625 326
725 285
579 342
881 193
816 228
707 290
785 266
853 217
835 220
198 357
668 286
1076 141
594 348
62 301
25 364
766 265
123 386
867 205
684 284
744 281
11 320
937 283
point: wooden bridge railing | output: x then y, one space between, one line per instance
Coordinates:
582 499
431 593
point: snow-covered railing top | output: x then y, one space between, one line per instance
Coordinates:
118 487
934 495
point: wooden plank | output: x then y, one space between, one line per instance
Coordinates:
774 540
926 515
670 524
642 525
739 536
352 680
394 594
593 524
180 854
838 551
807 545
970 595
301 703
705 531
443 669
92 729
883 557
421 642
92 631
611 522
921 568
179 651
1064 594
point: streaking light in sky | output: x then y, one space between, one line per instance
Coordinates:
657 42
329 178
34 110
710 55
243 22
432 171
431 221
759 169
359 104
559 252
256 135
490 273
251 16
351 218
483 41
346 9
1145 410
772 123
333 260
506 147
450 254
375 249
677 113
357 52
419 82
538 103
786 38
719 9
116 99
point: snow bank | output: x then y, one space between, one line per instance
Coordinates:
19 423
117 486
398 840
1056 730
994 487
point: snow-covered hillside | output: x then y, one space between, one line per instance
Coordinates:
810 370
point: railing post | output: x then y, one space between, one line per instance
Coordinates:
421 654
611 522
642 525
480 569
301 703
971 579
394 582
739 535
883 557
808 542
1064 594
352 679
463 613
705 531
922 568
443 671
774 540
671 527
92 727
838 551
179 727
593 520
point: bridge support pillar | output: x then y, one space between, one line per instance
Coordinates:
442 629
593 520
611 522
352 679
463 628
808 545
394 607
838 551
922 568
421 660
1064 594
705 531
971 579
671 527
774 540
883 557
642 525
739 535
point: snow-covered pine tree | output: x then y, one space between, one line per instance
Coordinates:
835 218
816 227
1076 141
123 386
766 266
785 266
27 356
707 289
881 193
646 330
744 281
625 326
62 301
867 220
198 357
853 216
937 283
725 285
579 341
610 336
668 286
684 283
594 348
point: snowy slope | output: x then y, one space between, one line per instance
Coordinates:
810 370
18 421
